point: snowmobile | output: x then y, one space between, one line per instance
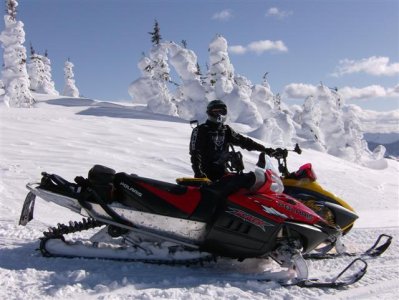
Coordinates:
302 185
146 220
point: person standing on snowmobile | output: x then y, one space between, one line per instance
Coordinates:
209 144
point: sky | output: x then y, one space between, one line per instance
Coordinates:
352 45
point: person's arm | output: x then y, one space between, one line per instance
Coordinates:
196 148
247 143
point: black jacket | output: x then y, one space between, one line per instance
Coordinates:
209 142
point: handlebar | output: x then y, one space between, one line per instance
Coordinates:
281 156
283 153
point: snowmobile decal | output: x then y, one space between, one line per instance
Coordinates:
248 218
272 211
133 190
300 212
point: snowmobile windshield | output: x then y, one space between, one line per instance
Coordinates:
306 171
277 185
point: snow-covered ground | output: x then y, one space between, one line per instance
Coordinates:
68 136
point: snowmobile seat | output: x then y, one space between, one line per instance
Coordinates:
153 196
173 200
101 180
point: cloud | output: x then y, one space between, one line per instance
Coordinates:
259 47
238 49
276 12
374 65
224 15
372 91
301 91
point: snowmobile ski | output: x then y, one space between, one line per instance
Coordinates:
381 244
351 274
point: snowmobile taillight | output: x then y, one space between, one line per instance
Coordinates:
306 171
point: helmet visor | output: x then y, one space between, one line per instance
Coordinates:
215 112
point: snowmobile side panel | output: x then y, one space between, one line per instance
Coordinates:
310 235
239 233
206 209
294 186
287 208
179 228
313 191
343 216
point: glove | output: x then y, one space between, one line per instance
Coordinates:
280 153
268 151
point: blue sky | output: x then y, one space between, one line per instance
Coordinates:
352 44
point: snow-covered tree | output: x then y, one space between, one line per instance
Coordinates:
49 86
222 84
152 87
39 71
14 74
277 128
35 68
331 122
70 88
190 94
327 124
309 120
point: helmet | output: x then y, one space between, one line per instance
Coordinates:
216 111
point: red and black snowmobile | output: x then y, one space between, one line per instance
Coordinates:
146 220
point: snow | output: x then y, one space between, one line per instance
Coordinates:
67 136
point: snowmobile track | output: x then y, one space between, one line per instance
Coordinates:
57 233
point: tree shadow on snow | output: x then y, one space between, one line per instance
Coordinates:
112 110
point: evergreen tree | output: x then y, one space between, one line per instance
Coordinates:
155 35
70 88
48 86
14 75
39 71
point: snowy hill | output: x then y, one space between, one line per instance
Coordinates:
68 136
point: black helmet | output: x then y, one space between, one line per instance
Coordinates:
216 111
